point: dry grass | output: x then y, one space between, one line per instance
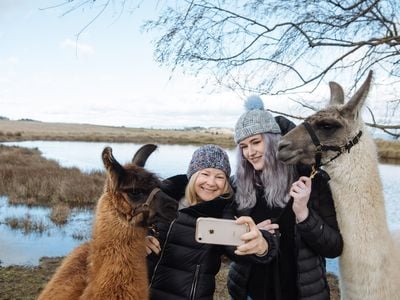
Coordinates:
26 177
25 283
32 130
389 151
18 282
60 213
26 224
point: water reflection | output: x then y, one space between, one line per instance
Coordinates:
19 247
166 161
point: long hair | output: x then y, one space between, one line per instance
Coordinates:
190 193
275 178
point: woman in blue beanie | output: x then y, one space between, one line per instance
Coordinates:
180 267
283 200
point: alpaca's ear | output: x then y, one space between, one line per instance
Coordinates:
114 169
337 95
143 154
352 108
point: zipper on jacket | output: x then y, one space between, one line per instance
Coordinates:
162 253
297 242
194 283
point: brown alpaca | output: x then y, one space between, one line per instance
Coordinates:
112 265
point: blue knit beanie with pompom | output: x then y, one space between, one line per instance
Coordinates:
255 120
209 156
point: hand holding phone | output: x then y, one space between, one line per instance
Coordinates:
219 231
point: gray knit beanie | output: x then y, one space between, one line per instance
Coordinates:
209 156
255 120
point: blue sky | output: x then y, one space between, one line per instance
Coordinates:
108 76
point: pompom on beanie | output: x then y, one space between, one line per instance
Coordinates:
255 120
209 156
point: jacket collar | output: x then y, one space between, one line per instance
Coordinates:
211 208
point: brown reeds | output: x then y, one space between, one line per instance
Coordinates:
26 177
26 224
389 151
60 213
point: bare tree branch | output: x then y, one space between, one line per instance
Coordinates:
280 47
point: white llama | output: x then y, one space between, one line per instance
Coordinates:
370 262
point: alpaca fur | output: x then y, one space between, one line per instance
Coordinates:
112 265
370 263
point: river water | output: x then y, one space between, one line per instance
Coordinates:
17 247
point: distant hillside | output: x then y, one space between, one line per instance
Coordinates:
34 130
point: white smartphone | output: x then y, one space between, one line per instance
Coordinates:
219 231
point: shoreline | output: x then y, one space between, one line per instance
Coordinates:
14 131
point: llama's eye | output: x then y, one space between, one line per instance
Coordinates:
135 193
328 126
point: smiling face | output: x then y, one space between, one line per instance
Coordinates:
253 149
210 183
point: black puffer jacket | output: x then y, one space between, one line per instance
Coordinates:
315 238
189 266
186 269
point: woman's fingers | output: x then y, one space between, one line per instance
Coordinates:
264 223
152 245
254 240
246 220
268 226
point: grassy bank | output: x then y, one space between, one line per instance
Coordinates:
27 177
25 283
31 130
389 151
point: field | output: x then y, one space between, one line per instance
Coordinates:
32 130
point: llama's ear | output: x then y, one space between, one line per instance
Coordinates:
114 169
337 95
175 186
353 107
143 154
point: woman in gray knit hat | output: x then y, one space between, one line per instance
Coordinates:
285 203
180 267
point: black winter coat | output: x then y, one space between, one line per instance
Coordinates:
315 238
186 269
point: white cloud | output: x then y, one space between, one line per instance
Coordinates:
9 61
81 49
